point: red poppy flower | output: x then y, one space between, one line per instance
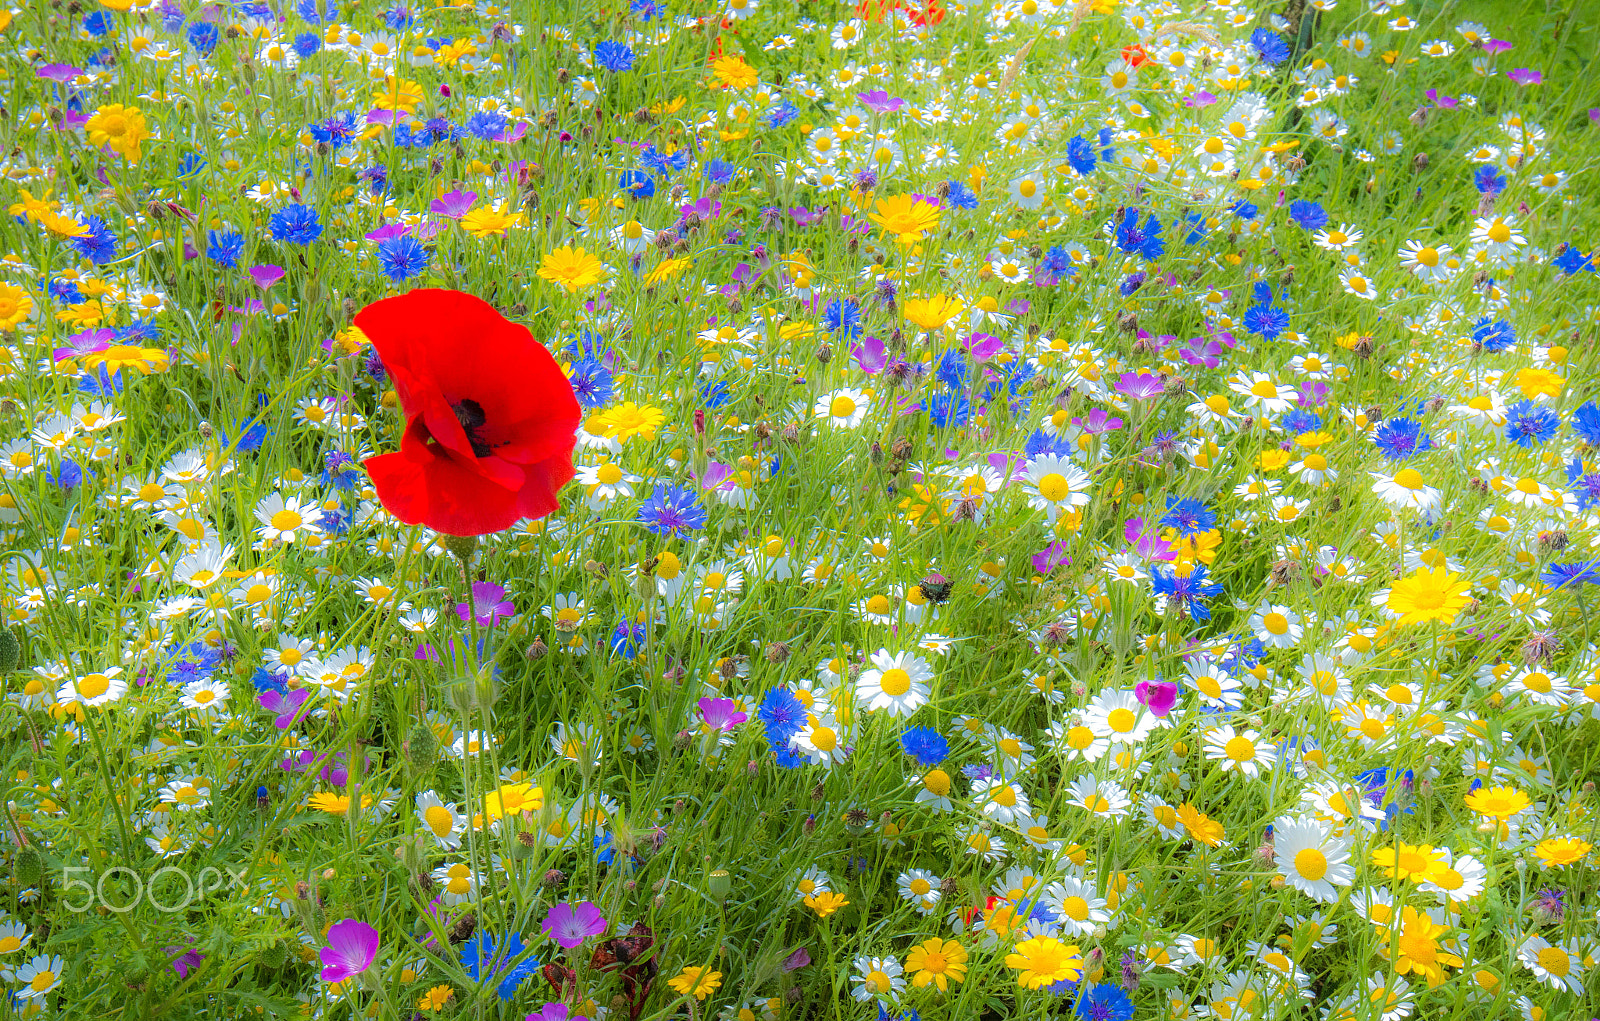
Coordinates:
1135 55
490 418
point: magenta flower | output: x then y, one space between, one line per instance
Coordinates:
1140 385
983 346
86 343
287 708
352 944
570 926
1200 100
879 101
720 713
1098 423
1524 76
59 73
1051 557
489 604
870 355
555 1012
453 204
387 232
1160 696
1496 46
266 275
184 959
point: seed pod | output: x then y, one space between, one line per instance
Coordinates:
10 651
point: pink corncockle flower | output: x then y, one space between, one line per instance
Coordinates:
386 118
287 708
1159 696
1525 76
1051 557
489 604
879 101
1140 385
86 343
720 713
1495 46
59 73
1145 540
453 204
1443 102
186 960
569 925
870 355
555 1012
387 232
799 959
264 276
983 346
1098 422
1199 100
352 944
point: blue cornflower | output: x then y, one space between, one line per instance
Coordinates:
781 713
1131 283
592 383
1390 794
64 291
252 435
296 224
69 475
203 36
1107 153
1104 1002
672 510
1571 261
1584 572
306 44
339 470
141 330
1528 424
925 744
719 171
96 243
337 131
1400 438
1189 516
1299 420
1080 154
782 114
224 247
961 196
949 408
627 639
977 772
842 317
661 163
266 680
402 257
1055 261
101 383
1308 214
1586 423
487 963
99 23
1185 592
191 164
645 10
307 9
1268 321
637 183
1495 336
1244 210
613 56
1269 46
1145 240
1488 180
398 19
487 125
1584 486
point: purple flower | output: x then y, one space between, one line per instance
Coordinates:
59 73
570 926
1493 46
1200 99
1160 696
870 355
1098 423
983 346
453 204
489 604
1051 557
799 959
804 217
1443 102
554 1012
387 232
1524 76
287 707
185 961
265 276
704 208
720 713
1140 385
352 944
879 101
86 343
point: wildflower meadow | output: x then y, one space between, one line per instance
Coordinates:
797 509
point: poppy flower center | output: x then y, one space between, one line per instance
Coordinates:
470 414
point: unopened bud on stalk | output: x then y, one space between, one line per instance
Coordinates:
462 547
718 883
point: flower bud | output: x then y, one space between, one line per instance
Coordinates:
421 746
462 547
718 883
10 650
